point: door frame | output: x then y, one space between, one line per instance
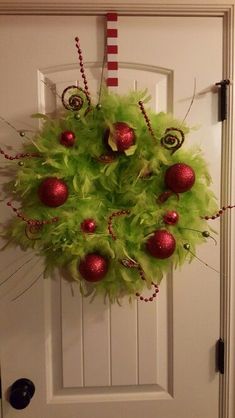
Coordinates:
227 13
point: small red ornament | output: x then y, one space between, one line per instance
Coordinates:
53 192
179 178
93 267
161 244
122 135
88 225
67 138
171 217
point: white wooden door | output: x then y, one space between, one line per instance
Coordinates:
93 360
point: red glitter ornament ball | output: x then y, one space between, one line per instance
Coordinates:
180 178
93 267
161 244
122 135
88 225
67 138
53 192
171 217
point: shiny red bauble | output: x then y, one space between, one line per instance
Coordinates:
122 135
67 138
161 244
179 178
93 267
88 225
53 192
171 217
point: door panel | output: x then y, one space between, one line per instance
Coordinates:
94 359
109 353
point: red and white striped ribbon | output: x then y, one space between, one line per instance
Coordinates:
112 51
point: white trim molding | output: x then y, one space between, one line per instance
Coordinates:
209 8
173 8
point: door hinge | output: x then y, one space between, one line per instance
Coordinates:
220 356
222 113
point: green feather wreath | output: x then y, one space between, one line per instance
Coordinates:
104 183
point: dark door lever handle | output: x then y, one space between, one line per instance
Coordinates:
223 84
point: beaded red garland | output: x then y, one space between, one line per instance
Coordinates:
19 156
141 105
83 71
156 289
219 213
33 222
110 221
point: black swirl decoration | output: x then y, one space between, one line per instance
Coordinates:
173 139
73 98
